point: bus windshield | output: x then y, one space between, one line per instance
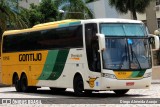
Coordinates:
126 52
123 29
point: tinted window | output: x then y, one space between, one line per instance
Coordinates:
92 47
122 29
69 37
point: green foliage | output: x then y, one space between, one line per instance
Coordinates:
123 6
75 9
89 1
46 11
49 10
10 16
34 15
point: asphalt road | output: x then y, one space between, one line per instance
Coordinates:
45 96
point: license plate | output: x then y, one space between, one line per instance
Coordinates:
130 84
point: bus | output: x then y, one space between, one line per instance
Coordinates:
86 55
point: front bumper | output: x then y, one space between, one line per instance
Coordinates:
113 84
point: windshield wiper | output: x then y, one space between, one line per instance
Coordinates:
133 54
130 43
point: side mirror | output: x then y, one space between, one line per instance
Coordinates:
154 40
101 39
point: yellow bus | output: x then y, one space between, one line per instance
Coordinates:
86 55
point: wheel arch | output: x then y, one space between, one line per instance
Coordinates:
76 75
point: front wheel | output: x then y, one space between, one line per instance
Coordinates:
57 89
78 86
24 83
121 92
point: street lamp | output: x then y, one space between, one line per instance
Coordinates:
62 11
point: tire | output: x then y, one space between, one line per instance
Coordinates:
57 89
88 92
17 84
78 86
121 92
32 89
24 83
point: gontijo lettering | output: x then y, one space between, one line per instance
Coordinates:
30 57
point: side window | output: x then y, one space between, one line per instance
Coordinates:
68 37
92 47
57 38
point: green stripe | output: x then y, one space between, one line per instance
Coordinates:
48 66
134 74
62 25
137 74
54 64
141 73
59 65
75 23
69 24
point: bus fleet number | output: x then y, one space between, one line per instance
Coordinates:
6 58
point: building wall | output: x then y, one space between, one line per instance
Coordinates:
152 15
25 4
101 9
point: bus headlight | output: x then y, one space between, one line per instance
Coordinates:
108 75
147 75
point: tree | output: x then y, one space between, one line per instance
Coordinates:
9 16
74 9
34 15
41 14
123 6
50 12
89 1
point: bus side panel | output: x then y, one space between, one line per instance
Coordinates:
75 62
53 68
7 74
30 63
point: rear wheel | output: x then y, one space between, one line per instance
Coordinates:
78 86
24 83
17 83
121 92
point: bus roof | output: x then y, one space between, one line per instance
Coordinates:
68 22
45 26
111 20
